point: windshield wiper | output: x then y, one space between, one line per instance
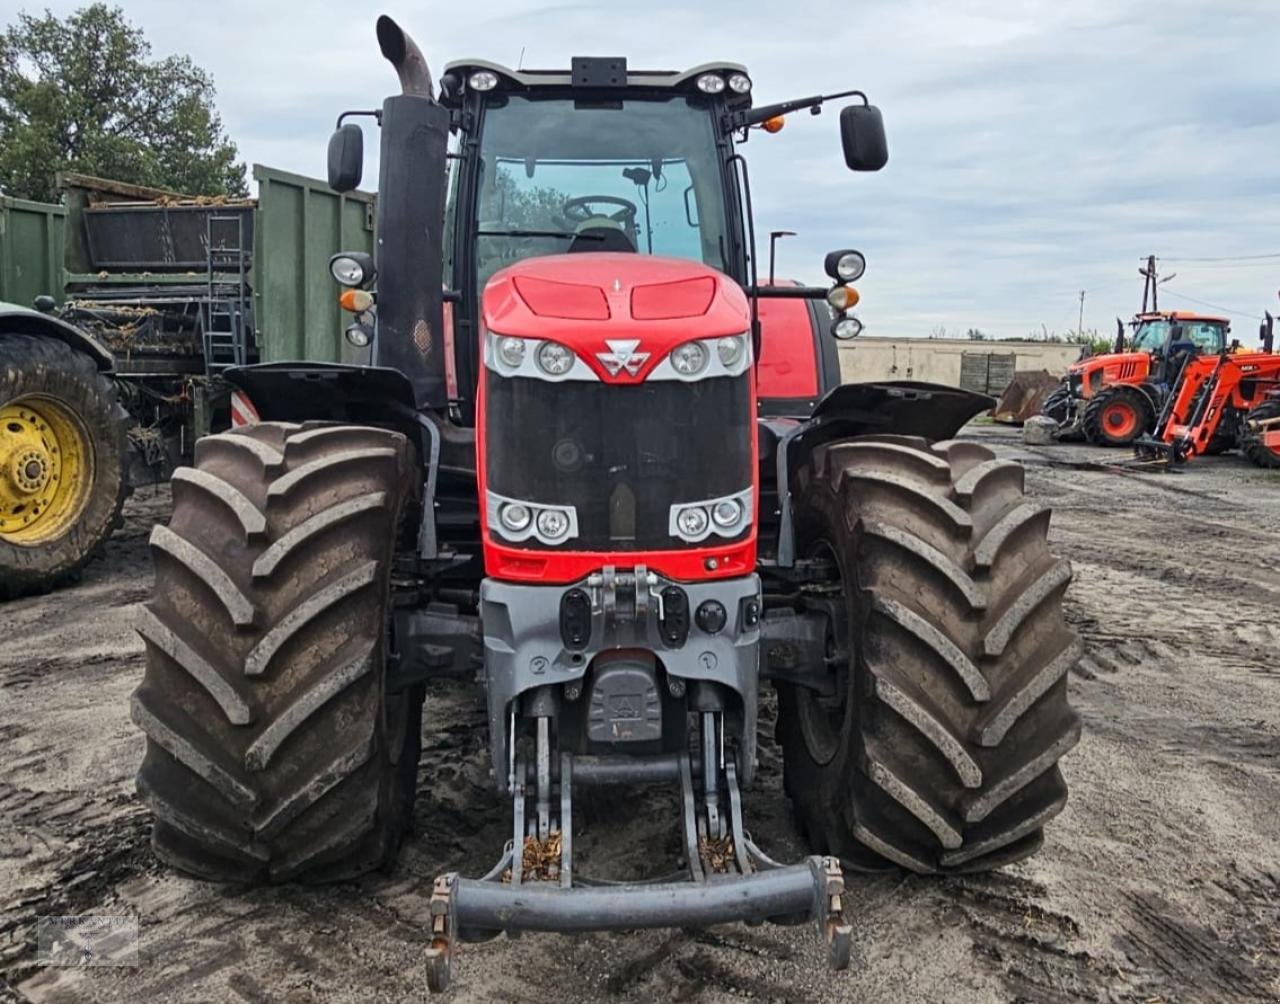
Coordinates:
563 234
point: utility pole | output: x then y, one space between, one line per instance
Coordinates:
1149 285
1080 323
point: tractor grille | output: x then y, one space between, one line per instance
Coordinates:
620 454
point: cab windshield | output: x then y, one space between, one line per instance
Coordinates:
1207 336
630 175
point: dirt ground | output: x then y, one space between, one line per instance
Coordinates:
1160 882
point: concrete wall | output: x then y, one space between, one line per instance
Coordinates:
937 360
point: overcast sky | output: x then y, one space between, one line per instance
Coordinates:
1036 148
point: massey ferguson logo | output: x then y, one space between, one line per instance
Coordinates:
622 355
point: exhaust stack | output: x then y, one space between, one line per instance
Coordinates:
403 53
411 195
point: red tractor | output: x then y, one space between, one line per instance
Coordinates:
1114 398
600 462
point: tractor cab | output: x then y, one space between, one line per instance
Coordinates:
1168 337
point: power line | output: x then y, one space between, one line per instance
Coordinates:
1215 306
1244 257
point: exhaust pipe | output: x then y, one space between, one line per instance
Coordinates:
411 196
403 53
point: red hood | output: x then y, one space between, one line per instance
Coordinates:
584 300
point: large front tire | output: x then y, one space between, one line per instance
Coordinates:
1116 416
274 751
62 470
939 752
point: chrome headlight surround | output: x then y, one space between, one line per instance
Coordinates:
531 521
528 365
719 527
722 359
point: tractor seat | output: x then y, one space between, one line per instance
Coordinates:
601 238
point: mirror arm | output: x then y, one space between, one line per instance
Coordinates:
787 292
754 116
373 114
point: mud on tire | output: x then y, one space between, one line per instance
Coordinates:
35 369
273 752
940 752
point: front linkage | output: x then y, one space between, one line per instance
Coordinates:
627 613
728 878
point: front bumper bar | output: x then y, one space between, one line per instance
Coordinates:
746 887
788 893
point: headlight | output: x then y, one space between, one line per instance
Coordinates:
690 359
346 271
554 359
553 524
730 350
726 516
514 516
483 80
517 520
846 327
511 350
357 336
845 266
710 83
727 513
739 83
692 522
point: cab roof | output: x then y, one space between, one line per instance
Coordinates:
589 75
1179 315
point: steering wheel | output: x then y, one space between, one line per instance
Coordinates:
578 209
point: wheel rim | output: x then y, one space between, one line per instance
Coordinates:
822 719
1119 419
46 469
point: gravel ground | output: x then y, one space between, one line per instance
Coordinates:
1160 882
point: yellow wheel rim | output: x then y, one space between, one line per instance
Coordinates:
46 469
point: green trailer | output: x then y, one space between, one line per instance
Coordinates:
154 295
31 249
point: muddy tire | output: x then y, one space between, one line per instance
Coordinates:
273 750
1116 417
1251 444
939 751
62 462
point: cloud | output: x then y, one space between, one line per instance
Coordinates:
1037 148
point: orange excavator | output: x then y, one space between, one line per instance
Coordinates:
1220 402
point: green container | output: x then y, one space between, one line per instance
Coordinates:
32 238
300 224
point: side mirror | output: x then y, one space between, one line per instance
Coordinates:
862 135
346 157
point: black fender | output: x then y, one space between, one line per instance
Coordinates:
1154 393
326 392
360 395
892 407
16 320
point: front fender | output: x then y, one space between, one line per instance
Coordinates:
891 407
16 320
898 407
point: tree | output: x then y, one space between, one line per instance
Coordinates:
84 94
